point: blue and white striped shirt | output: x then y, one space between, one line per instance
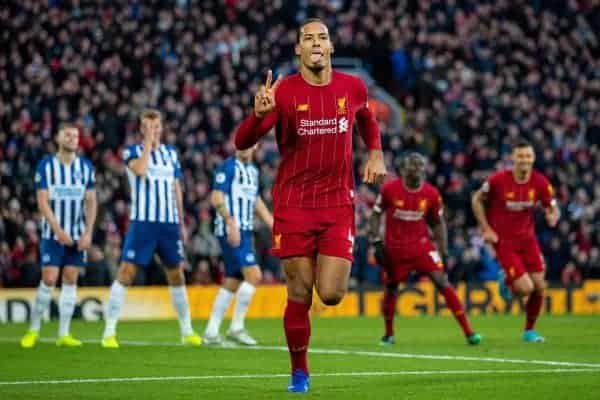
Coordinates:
153 195
66 186
239 183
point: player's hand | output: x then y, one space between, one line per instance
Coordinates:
264 100
375 171
233 233
378 252
64 238
490 236
84 241
552 216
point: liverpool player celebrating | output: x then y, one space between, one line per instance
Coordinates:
410 204
313 113
504 209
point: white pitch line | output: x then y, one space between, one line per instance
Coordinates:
362 353
319 375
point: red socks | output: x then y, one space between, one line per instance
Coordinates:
454 304
296 324
533 309
388 308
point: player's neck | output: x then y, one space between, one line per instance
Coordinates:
317 78
412 186
65 156
521 176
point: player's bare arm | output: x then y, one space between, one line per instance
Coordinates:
439 229
44 207
91 211
478 202
180 210
263 212
375 221
217 200
552 214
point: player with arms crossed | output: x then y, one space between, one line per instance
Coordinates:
66 198
156 224
313 113
235 197
411 205
504 209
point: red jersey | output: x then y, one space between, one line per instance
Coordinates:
406 214
313 126
510 204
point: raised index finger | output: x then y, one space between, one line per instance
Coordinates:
269 79
277 82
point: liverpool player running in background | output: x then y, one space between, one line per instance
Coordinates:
313 113
66 198
156 224
410 204
504 209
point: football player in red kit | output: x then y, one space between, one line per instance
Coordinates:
313 112
504 209
410 205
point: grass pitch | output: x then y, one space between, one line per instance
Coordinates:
431 360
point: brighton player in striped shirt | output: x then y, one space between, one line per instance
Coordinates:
156 224
66 198
236 199
313 112
411 206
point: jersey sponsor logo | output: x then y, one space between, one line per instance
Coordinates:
160 172
277 241
66 192
407 215
302 107
519 205
341 105
323 126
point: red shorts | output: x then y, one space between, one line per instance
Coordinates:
399 263
306 232
518 257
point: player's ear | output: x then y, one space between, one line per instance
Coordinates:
332 48
297 50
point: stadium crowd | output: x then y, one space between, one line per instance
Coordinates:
471 76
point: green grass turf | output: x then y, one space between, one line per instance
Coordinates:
569 339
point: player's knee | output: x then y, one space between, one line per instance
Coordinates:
70 279
331 297
126 274
299 292
49 281
524 288
254 277
175 277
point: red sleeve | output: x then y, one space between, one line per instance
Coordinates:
367 124
545 190
436 210
253 128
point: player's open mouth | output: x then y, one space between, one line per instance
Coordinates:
316 56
